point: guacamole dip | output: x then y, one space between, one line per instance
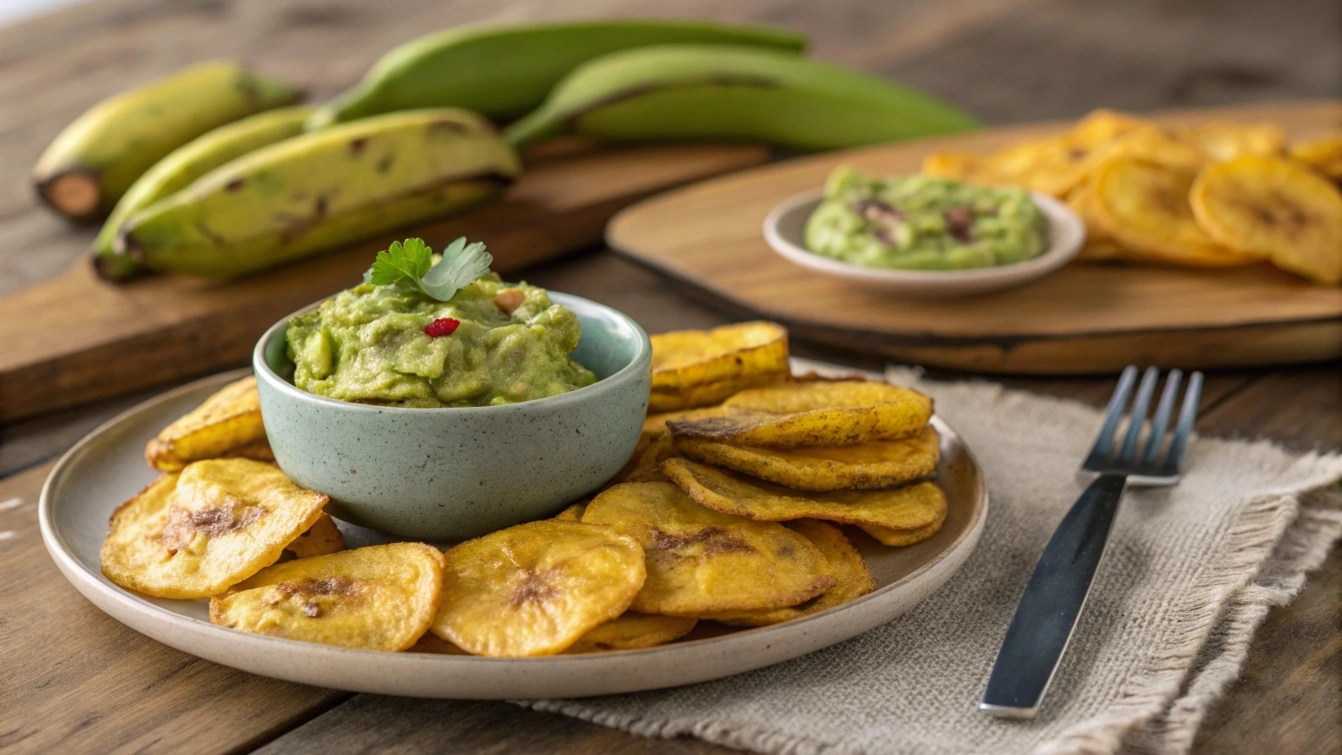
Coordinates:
491 343
924 223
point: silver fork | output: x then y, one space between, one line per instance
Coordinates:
1053 599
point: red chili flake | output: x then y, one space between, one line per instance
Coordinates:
443 326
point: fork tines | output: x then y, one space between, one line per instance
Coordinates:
1132 457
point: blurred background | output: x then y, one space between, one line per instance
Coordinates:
1003 60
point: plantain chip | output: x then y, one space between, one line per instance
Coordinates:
965 167
318 540
1053 166
649 465
1151 144
1145 207
228 424
196 533
899 538
381 597
907 507
1222 141
700 561
536 588
822 413
572 513
708 394
1323 155
654 426
1274 208
685 358
865 466
842 560
633 631
1101 126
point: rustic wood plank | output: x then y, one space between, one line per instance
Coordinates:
76 680
373 723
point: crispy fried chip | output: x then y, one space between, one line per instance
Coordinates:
965 167
381 597
865 466
843 561
1274 208
318 540
908 507
700 561
228 424
1145 207
649 466
196 533
685 358
633 631
536 588
899 538
1151 144
708 394
1323 155
1223 141
1053 166
572 513
655 424
790 415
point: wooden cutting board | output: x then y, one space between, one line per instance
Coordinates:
1086 318
78 338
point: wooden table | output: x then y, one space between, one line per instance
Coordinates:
75 680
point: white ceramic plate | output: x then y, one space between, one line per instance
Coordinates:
785 231
107 467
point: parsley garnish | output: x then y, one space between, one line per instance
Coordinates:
412 261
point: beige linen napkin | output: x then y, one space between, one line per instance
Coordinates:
1190 573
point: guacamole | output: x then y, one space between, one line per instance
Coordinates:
491 343
924 223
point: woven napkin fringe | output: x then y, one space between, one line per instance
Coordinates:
1160 713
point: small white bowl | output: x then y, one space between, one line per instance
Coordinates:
785 230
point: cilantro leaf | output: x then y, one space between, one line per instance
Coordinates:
412 261
460 266
401 261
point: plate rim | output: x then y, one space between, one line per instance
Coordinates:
136 611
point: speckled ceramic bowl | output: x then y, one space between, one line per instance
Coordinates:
449 474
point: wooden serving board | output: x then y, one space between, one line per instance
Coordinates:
77 338
1084 319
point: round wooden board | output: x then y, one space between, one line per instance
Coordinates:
1085 319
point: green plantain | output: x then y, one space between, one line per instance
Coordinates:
321 190
726 92
505 71
184 165
89 165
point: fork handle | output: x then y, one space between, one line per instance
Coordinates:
1053 599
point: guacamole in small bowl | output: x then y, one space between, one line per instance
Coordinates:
392 341
924 223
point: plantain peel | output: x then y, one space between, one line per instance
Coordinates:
381 597
700 561
864 466
908 507
790 415
196 533
843 562
633 631
227 424
536 588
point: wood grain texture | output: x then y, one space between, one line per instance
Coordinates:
76 680
1086 318
77 338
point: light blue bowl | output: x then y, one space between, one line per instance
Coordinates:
452 474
